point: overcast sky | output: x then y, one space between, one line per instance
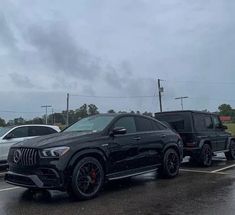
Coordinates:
115 48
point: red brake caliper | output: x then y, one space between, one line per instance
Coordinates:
93 176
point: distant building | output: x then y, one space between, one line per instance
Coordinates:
225 118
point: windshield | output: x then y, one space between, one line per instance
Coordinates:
4 130
92 123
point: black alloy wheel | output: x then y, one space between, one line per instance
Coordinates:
87 179
171 164
205 158
230 155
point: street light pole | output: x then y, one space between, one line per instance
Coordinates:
181 100
46 106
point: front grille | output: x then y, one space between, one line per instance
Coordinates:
23 156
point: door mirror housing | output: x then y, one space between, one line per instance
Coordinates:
118 130
224 127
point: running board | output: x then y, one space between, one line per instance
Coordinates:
116 176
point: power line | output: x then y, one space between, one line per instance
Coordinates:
25 112
113 97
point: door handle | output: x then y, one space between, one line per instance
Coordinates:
163 135
137 138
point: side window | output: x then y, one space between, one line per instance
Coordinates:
216 122
208 122
199 122
143 124
128 123
19 132
158 126
40 130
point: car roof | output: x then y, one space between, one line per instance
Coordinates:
186 111
41 125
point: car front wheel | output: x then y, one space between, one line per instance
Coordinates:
171 164
87 179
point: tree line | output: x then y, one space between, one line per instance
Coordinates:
89 110
60 118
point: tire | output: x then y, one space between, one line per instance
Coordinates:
230 155
205 156
171 164
87 179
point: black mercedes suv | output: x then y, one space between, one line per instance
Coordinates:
203 134
94 150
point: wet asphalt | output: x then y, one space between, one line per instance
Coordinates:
194 191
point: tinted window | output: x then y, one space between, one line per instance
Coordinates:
199 122
208 122
202 122
216 122
158 126
143 124
40 130
176 121
128 123
19 132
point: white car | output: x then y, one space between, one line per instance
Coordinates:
15 134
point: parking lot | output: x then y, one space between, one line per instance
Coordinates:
195 191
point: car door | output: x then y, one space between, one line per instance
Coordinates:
152 137
123 148
14 136
204 129
221 134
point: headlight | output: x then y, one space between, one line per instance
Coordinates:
54 152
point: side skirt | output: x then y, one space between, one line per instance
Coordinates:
131 173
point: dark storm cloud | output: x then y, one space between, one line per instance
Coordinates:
21 80
58 49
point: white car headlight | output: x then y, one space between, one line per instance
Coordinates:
55 151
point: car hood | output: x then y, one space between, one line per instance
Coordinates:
58 139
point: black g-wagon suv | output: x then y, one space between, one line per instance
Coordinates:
93 150
203 134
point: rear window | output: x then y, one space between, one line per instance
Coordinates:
179 122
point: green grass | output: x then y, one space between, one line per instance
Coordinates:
231 128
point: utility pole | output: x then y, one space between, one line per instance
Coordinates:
67 112
53 118
160 91
46 106
181 100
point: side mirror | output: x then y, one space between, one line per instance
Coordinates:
118 130
224 127
9 136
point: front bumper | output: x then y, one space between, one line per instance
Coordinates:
43 178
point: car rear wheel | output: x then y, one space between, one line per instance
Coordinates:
230 155
87 179
171 164
205 157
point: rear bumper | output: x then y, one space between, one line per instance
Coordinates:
34 180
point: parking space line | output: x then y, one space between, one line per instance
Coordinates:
227 167
9 188
201 171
